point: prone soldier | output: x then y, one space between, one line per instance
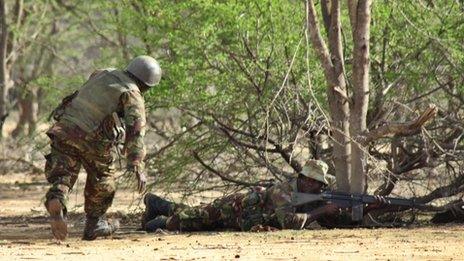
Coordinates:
260 208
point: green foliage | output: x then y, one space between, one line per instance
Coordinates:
199 41
244 64
56 88
223 60
418 43
226 61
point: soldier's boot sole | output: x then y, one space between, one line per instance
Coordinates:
57 219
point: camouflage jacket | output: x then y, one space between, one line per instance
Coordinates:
279 200
241 211
273 207
129 115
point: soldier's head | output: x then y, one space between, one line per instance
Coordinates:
313 177
145 71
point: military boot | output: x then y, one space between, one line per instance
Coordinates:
57 218
157 223
98 227
156 206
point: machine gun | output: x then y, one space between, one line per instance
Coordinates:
347 200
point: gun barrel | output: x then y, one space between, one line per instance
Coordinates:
366 199
349 200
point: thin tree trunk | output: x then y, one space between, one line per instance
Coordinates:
28 113
22 121
33 111
332 62
4 79
361 35
338 102
360 17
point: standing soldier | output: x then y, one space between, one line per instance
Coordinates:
88 125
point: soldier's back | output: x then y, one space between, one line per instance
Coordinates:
98 98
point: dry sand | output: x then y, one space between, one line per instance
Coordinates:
24 234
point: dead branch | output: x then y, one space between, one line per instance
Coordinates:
391 179
457 186
246 144
221 175
400 129
284 152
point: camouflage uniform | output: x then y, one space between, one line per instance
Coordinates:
222 213
280 202
267 207
86 135
241 211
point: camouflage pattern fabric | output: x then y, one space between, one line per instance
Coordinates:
268 207
73 148
65 160
222 213
287 216
317 169
256 209
135 121
133 124
98 98
280 200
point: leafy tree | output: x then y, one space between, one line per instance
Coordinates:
249 93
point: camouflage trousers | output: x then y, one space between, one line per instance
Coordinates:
222 213
62 167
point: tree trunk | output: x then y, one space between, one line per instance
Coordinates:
333 65
360 79
28 113
338 102
33 115
4 79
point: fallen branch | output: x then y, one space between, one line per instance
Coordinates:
457 186
392 178
400 129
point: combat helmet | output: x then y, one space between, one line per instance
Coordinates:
146 69
317 169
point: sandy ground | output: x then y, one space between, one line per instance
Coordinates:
24 234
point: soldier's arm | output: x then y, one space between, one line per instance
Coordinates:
134 119
288 219
287 215
325 210
284 210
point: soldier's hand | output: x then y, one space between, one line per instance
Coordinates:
141 178
380 202
332 209
141 181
